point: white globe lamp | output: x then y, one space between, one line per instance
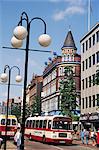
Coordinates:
44 40
18 78
4 77
20 32
16 43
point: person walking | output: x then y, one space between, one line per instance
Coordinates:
17 138
82 133
87 136
1 142
93 137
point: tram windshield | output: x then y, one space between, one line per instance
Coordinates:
61 123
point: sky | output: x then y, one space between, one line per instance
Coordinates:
59 15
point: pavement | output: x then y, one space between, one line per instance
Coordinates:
11 146
84 146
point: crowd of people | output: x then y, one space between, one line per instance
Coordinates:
87 135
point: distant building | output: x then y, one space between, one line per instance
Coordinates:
54 72
89 91
12 101
34 89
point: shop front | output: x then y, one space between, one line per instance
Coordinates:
90 121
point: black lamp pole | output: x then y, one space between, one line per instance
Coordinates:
26 68
28 23
7 111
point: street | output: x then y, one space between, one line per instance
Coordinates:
33 145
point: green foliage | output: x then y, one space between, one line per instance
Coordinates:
16 110
27 110
97 77
96 82
36 106
68 92
75 118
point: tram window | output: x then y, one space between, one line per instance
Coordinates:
44 123
41 122
37 123
33 123
3 122
8 122
13 122
30 123
26 123
49 124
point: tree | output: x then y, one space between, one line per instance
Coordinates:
16 110
68 92
36 106
96 82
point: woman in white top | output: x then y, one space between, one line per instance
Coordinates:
17 138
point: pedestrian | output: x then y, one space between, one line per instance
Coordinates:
17 138
87 136
1 142
93 137
97 138
82 133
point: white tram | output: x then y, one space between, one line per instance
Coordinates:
51 129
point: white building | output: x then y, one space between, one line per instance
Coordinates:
89 90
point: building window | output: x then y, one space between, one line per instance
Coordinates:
83 84
86 83
86 63
86 45
83 47
83 66
97 36
97 54
82 103
90 61
97 99
89 81
93 81
89 42
89 101
93 56
93 39
86 102
93 100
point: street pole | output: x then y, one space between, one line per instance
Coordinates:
5 139
44 40
4 79
21 33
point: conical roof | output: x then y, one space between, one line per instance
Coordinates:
69 41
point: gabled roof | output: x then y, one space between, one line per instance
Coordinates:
69 41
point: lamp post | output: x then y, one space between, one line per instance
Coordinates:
21 33
4 78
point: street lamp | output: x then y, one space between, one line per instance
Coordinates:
20 33
4 78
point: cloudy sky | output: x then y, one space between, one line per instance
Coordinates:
59 15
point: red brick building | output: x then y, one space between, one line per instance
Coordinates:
34 90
